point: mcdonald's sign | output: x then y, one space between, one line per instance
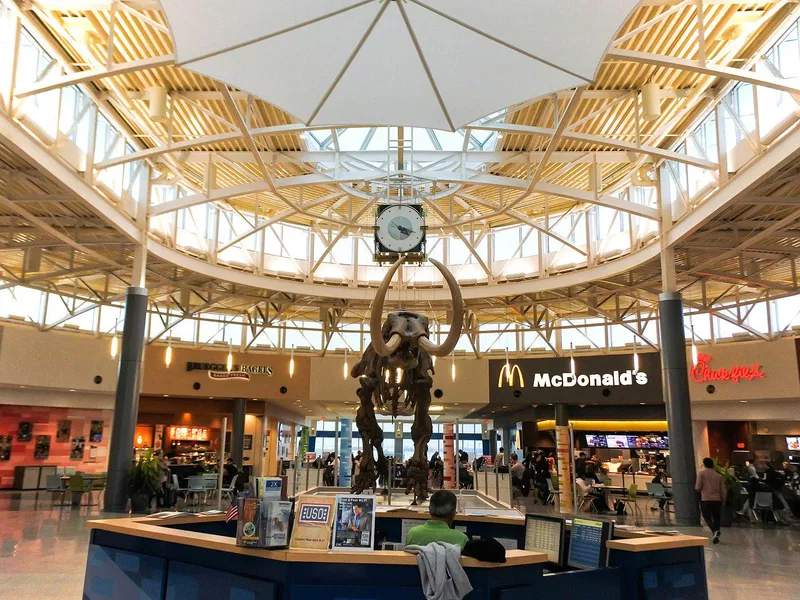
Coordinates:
509 376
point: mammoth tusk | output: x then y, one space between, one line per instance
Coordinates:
458 317
375 325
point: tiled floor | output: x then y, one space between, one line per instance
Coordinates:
43 553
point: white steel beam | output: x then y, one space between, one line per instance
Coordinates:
706 68
79 77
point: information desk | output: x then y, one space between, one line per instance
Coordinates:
171 559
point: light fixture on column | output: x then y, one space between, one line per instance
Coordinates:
399 375
508 368
114 345
168 353
291 363
651 101
230 357
453 367
157 103
695 353
388 375
571 360
344 367
635 358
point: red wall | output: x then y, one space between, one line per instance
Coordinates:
45 421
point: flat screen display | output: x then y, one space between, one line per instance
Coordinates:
596 441
617 441
588 543
639 441
545 534
793 443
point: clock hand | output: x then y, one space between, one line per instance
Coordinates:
404 230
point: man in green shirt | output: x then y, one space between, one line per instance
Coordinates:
439 528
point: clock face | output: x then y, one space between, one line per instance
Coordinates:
400 228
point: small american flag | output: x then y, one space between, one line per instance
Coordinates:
233 512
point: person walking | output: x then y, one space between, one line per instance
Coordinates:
711 486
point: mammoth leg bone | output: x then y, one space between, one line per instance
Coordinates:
372 439
421 431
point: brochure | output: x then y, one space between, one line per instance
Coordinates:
354 526
313 520
276 517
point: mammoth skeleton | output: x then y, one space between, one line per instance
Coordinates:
395 374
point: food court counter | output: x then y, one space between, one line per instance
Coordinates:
180 558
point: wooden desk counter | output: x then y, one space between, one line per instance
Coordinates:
159 529
661 542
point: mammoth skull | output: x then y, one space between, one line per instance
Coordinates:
410 329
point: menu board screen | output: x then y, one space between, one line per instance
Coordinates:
617 441
792 442
596 441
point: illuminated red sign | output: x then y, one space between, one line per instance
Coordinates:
702 372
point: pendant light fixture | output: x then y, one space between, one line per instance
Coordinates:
508 368
399 375
635 358
453 367
291 363
114 345
344 367
695 353
571 360
168 353
230 357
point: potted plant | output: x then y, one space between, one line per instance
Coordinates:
143 480
732 498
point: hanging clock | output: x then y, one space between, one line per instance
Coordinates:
399 229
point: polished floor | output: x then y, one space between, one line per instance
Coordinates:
43 553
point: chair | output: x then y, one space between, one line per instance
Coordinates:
78 486
552 492
587 502
762 505
655 491
632 497
57 490
197 486
97 484
211 487
228 491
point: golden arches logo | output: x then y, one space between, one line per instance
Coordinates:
509 376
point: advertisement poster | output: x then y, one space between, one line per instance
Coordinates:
42 449
354 526
76 450
96 432
313 521
25 431
564 454
63 431
158 437
345 451
5 447
248 442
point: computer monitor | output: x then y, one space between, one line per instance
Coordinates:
545 534
587 545
596 441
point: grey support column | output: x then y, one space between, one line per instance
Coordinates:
126 400
679 411
237 434
562 415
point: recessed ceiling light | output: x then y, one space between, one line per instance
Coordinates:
166 395
23 386
211 397
436 407
72 390
642 403
743 401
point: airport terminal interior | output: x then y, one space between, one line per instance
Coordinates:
299 298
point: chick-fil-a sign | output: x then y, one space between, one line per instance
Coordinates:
702 371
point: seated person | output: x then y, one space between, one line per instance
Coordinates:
439 528
661 478
597 499
230 470
465 478
519 475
